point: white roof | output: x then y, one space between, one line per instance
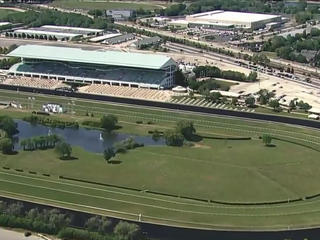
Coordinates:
233 16
4 23
179 21
72 28
313 116
226 93
314 110
57 34
104 37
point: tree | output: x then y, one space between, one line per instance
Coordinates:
108 154
234 101
250 101
109 122
275 105
23 144
252 77
8 125
156 135
213 97
266 139
186 128
180 79
173 138
64 150
126 231
292 105
6 145
260 58
98 224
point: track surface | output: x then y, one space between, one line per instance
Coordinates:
171 106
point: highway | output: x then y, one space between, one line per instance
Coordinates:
300 78
172 106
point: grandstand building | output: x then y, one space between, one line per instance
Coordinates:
102 67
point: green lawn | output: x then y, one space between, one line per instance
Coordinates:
213 169
92 4
5 12
235 171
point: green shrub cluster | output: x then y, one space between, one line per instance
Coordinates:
40 142
212 71
50 122
127 144
56 222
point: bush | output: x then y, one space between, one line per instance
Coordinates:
64 150
109 122
127 231
173 138
6 145
127 144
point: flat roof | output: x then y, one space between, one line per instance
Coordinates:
66 28
233 16
40 32
104 37
4 23
114 58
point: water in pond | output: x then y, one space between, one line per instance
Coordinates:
91 140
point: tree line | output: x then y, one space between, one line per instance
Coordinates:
51 122
198 6
55 222
9 127
38 18
290 47
215 72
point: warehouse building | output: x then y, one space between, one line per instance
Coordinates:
227 19
120 14
50 32
100 67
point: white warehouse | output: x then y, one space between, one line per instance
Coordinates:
229 19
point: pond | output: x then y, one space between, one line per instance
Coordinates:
91 140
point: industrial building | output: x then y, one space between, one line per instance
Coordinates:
227 19
120 15
119 39
50 32
100 67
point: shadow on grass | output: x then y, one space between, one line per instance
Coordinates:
195 138
271 145
114 162
12 153
68 158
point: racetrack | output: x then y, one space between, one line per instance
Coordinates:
161 209
172 106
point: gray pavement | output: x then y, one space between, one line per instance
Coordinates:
12 235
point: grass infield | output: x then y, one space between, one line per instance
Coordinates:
5 12
213 170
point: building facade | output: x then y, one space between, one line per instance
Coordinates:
85 66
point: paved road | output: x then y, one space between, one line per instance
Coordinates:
11 235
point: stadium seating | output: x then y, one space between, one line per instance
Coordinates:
141 93
111 73
34 82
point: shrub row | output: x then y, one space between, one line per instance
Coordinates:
50 122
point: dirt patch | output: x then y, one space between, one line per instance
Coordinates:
197 145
